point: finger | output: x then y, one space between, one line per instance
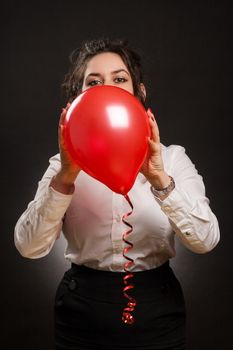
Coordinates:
68 106
62 116
154 131
152 117
150 114
154 146
61 128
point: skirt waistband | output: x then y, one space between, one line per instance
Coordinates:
154 276
106 284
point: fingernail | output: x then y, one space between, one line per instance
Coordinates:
150 110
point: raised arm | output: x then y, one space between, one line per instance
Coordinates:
40 225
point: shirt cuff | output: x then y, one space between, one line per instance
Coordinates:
174 206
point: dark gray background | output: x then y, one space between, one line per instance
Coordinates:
187 57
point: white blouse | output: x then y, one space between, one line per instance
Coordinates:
91 218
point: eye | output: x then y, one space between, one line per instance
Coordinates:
94 82
120 80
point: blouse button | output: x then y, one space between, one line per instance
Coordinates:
72 285
117 250
118 218
166 209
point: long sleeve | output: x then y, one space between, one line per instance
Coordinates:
91 218
39 226
187 207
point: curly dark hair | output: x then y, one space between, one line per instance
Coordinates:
72 85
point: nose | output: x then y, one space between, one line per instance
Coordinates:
109 82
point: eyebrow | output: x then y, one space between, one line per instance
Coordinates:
113 72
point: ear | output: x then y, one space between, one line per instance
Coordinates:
143 90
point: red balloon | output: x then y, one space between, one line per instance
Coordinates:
106 131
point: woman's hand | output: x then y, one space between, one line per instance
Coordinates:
65 178
153 168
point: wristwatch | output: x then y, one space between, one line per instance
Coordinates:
163 191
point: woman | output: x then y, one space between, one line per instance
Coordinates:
168 197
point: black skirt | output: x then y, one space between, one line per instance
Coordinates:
89 305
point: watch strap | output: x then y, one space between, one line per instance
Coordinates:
164 191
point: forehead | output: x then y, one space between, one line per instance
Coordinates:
105 62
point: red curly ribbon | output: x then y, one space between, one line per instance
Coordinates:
127 316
